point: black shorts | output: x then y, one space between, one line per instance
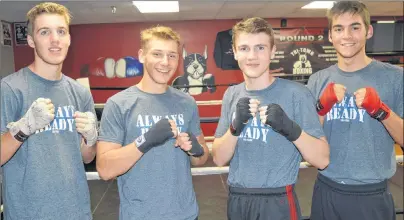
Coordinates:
335 201
263 204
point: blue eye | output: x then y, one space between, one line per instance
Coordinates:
61 32
45 32
157 54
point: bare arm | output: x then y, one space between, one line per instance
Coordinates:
33 120
394 125
315 151
114 160
223 148
87 152
199 161
9 145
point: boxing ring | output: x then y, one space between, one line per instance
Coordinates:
204 172
219 171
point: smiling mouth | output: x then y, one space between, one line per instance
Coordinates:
348 44
163 71
55 49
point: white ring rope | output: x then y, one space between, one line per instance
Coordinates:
217 170
209 170
211 102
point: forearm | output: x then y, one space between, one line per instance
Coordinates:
199 161
9 145
223 148
394 125
87 152
117 161
315 151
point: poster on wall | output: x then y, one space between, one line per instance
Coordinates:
21 32
300 51
303 51
5 34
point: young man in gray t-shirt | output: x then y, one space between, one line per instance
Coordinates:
48 128
267 124
150 136
360 104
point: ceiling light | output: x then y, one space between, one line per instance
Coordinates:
319 5
386 22
156 6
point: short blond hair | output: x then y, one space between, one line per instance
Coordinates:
46 8
253 25
159 32
352 7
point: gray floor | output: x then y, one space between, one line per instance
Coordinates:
211 192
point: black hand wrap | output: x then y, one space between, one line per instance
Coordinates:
242 115
155 136
197 149
281 123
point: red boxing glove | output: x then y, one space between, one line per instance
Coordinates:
327 100
374 106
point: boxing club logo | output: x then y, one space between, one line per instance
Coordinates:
303 64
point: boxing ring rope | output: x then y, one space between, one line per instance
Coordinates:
199 103
202 171
301 78
209 170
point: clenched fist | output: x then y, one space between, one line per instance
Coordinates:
245 109
189 143
86 125
157 135
274 116
368 99
332 94
40 113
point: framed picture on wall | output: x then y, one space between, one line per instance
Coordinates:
21 32
5 34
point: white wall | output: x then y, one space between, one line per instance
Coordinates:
6 68
6 60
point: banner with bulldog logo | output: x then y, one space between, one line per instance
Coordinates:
303 51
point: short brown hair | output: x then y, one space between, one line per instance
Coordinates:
46 8
253 25
159 32
352 7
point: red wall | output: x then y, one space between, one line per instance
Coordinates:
119 40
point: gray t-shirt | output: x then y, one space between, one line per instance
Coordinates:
159 186
264 158
361 149
45 179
